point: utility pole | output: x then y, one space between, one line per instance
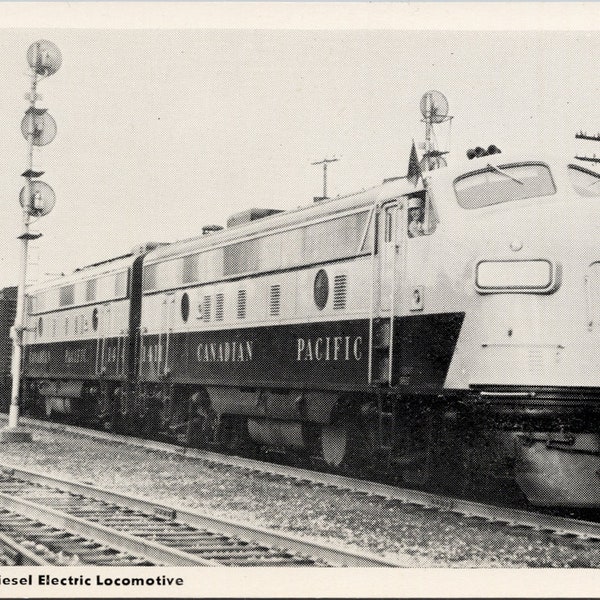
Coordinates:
592 138
592 159
37 199
586 136
324 163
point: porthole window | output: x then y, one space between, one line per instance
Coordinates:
95 319
321 289
185 307
40 327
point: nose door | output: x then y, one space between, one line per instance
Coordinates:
384 359
390 244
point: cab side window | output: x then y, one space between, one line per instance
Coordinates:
422 219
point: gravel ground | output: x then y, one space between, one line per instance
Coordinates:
416 537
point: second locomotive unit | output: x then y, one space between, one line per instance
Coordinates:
448 324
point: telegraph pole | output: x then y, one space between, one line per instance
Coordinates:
592 138
37 199
324 163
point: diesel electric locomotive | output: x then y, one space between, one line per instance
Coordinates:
435 325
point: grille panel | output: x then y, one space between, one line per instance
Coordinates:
275 300
206 309
340 285
219 307
241 304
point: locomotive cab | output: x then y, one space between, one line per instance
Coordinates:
529 349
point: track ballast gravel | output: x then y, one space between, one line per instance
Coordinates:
409 534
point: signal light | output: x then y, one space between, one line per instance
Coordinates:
478 152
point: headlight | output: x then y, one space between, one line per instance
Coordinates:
517 276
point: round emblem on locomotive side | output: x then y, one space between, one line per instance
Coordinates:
95 319
321 289
185 307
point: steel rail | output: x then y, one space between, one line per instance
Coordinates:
332 555
118 540
513 517
25 557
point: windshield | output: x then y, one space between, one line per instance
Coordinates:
504 183
585 183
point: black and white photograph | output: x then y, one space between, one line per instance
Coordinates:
285 295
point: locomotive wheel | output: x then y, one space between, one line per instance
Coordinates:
334 443
349 446
200 421
349 442
233 434
420 473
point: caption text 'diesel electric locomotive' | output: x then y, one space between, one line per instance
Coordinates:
426 326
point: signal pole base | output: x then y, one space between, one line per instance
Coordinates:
15 434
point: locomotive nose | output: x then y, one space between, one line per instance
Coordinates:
536 295
536 356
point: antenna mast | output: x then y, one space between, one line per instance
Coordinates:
324 163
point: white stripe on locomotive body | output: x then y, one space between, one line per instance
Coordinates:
296 304
506 339
74 322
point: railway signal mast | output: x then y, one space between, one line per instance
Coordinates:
37 200
434 108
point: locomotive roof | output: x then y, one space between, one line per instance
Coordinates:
366 198
388 190
105 267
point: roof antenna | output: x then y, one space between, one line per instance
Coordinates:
324 163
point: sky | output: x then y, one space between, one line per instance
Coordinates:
161 132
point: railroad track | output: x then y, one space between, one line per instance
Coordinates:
505 516
65 522
13 553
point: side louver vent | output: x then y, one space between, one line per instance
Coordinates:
206 309
241 304
339 292
219 307
275 300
